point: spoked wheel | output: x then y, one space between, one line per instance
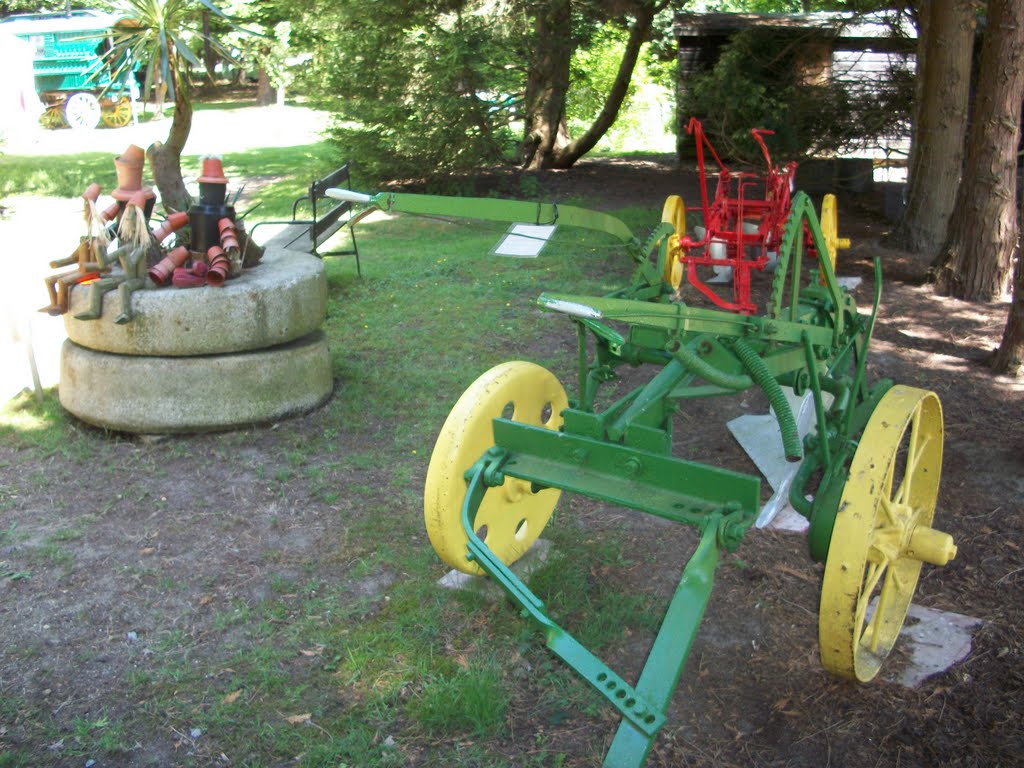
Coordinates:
674 212
511 516
830 229
118 114
53 117
82 111
883 533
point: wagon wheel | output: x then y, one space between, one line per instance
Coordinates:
82 110
883 533
674 212
511 516
830 229
53 117
119 114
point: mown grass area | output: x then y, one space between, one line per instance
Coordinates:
315 673
68 175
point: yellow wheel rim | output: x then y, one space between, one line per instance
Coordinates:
53 117
674 212
119 115
883 533
511 516
830 229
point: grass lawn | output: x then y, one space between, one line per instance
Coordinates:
316 672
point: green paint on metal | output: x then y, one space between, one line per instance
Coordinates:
492 209
671 648
661 485
811 337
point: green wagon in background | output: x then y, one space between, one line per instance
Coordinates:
72 76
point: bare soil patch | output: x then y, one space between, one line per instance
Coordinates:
145 542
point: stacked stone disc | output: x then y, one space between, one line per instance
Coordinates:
206 358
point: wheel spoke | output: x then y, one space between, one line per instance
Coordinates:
886 504
880 611
914 452
874 573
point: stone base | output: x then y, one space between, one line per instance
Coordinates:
155 395
282 299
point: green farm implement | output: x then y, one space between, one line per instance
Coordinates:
515 440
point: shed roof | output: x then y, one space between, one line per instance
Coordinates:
827 23
41 23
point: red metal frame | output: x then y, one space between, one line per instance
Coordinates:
736 203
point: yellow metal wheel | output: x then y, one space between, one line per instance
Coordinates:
883 533
53 117
118 114
674 212
511 516
830 229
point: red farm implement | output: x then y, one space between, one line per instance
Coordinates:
742 228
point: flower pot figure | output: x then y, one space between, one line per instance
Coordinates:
129 179
90 266
131 256
211 208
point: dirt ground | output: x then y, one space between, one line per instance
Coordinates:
173 544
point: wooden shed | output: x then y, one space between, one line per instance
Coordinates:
859 51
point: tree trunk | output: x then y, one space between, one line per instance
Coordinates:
945 43
547 83
165 157
547 143
209 59
264 91
566 156
1009 357
161 96
975 262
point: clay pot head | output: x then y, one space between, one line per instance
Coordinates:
213 171
92 193
139 199
134 154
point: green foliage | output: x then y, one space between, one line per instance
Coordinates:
164 37
651 91
760 81
472 700
11 7
415 91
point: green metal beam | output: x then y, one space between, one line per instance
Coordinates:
660 485
671 648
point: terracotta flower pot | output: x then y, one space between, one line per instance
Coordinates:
134 154
213 171
92 193
129 178
220 266
110 212
160 272
184 278
173 223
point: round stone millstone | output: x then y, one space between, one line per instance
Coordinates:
282 299
155 395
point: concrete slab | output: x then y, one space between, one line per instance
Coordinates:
936 639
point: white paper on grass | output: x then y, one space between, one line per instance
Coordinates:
524 241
